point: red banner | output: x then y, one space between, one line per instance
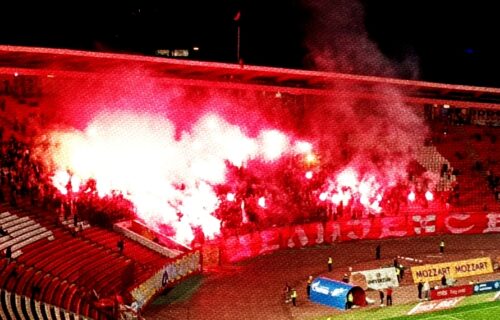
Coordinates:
452 292
236 248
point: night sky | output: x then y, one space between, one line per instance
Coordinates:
441 41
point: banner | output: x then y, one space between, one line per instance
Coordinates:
379 279
454 269
485 287
237 248
451 292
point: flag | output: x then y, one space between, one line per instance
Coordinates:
237 16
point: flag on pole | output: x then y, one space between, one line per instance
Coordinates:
237 16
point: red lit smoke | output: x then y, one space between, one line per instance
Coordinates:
189 157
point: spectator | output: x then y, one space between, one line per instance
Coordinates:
330 264
120 245
8 253
3 232
35 291
419 288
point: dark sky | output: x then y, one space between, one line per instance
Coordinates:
443 41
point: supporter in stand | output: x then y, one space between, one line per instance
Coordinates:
120 244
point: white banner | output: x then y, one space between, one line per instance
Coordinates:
379 279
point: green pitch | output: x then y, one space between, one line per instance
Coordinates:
482 311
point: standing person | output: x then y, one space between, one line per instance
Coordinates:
398 274
377 252
419 288
426 289
396 262
286 292
309 282
8 253
345 278
443 281
350 300
294 297
441 247
401 271
330 263
381 295
120 245
389 296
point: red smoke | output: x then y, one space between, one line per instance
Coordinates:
191 157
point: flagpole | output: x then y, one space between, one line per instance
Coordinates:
238 38
238 43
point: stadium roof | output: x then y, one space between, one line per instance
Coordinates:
62 62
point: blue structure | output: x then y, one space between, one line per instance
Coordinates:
334 293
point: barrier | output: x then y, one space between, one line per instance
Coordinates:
451 292
485 287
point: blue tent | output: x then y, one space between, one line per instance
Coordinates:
334 293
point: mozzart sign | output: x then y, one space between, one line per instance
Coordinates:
380 278
454 269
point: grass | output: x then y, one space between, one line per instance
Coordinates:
481 311
181 292
477 307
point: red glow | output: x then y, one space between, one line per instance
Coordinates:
139 156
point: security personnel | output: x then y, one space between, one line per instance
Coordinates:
294 297
350 300
441 247
330 263
309 282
